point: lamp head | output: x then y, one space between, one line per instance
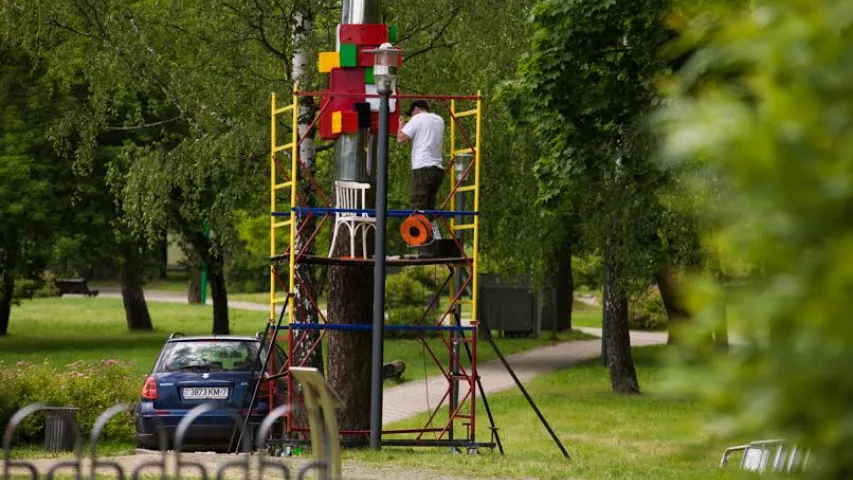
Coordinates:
386 59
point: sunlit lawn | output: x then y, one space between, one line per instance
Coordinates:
609 437
586 315
64 330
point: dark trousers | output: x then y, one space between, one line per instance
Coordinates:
425 185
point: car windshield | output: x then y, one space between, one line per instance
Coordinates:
208 356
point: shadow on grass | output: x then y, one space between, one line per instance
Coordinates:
644 357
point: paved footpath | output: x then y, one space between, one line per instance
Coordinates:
410 399
162 296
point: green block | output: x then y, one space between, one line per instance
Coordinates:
349 55
392 33
368 76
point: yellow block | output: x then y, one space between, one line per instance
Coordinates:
337 122
328 61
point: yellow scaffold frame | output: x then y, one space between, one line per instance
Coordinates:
274 188
474 187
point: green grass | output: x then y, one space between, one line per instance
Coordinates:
64 330
608 436
586 315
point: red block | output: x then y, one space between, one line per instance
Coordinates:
341 80
326 120
349 122
365 59
364 34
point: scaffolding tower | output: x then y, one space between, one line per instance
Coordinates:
453 421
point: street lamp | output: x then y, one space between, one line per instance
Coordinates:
385 62
386 59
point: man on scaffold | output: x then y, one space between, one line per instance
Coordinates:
426 132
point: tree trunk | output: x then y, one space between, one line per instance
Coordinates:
193 278
617 340
306 289
676 312
203 250
8 255
135 308
563 283
8 287
721 333
216 276
163 251
350 302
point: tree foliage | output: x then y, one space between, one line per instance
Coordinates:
585 90
763 112
35 186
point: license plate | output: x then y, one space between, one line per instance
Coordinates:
205 392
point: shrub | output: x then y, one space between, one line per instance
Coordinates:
407 295
646 311
247 272
35 287
587 272
90 387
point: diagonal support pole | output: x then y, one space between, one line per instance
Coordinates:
521 387
263 364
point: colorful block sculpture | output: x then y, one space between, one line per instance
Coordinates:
337 122
349 55
349 122
346 105
364 34
328 61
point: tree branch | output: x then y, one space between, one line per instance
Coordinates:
427 49
56 23
324 147
433 42
147 125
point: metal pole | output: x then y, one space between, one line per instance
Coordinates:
457 314
379 278
521 387
203 280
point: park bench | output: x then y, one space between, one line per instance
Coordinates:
74 286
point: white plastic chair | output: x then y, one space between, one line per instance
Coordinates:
773 455
352 195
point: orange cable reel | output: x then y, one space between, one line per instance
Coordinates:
416 230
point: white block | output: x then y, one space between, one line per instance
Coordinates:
374 102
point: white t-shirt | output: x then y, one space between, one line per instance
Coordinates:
427 133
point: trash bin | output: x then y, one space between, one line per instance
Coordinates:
59 423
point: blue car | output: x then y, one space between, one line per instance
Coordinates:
193 370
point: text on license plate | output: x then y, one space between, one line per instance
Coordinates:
205 392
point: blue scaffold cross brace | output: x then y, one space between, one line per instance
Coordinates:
305 211
369 327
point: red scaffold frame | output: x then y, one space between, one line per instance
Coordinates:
461 381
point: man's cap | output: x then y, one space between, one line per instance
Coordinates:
422 104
